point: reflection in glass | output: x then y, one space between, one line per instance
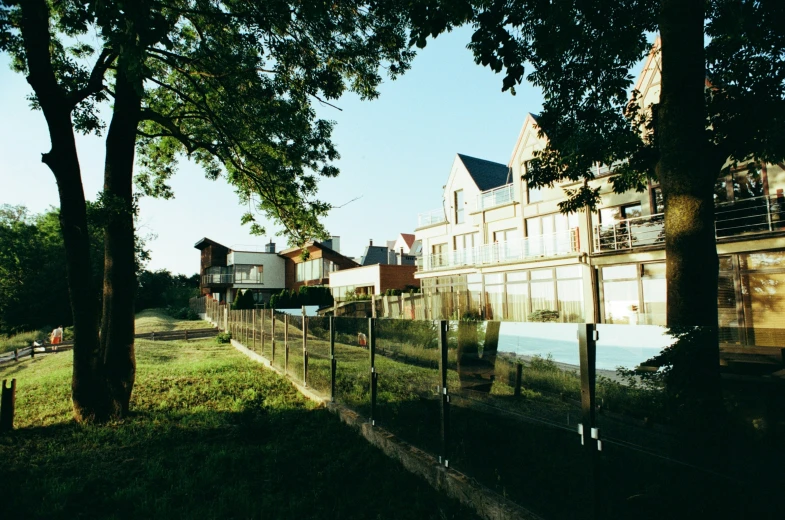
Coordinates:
764 307
494 298
621 302
518 301
570 293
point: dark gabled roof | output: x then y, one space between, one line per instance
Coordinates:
486 174
206 242
375 255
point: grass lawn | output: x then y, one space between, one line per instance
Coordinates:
155 320
213 435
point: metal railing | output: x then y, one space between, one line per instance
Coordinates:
553 244
754 215
495 197
217 278
429 218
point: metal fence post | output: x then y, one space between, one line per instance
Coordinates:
332 358
518 378
7 405
372 358
253 328
263 340
445 394
588 430
305 348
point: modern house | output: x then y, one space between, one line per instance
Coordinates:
323 259
501 250
225 271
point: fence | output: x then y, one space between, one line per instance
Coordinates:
565 419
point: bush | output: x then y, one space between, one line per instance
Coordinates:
223 337
544 316
181 313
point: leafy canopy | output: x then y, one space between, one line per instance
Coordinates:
229 84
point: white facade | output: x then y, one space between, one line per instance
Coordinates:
259 271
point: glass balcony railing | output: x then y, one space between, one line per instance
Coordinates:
221 278
430 218
554 244
747 216
495 197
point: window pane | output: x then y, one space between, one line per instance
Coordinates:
620 271
572 271
542 274
654 270
542 296
654 301
474 278
726 263
494 295
494 278
518 302
570 301
767 260
517 276
764 307
727 315
621 302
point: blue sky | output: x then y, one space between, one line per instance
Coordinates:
396 154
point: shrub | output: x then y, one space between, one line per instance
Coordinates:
181 313
544 315
223 337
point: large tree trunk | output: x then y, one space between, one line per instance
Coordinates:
117 326
88 384
687 179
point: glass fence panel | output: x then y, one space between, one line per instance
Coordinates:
514 411
353 365
318 346
407 362
280 341
294 363
687 431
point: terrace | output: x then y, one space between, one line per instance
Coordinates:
749 216
431 218
554 244
495 197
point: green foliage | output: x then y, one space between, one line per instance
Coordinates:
161 289
223 337
181 313
544 315
243 300
33 285
306 295
228 84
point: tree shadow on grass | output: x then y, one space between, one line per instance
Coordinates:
249 464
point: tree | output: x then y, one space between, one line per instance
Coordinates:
722 104
581 53
229 84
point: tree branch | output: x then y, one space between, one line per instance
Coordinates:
96 82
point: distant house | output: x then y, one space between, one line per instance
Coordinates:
394 252
225 271
372 279
323 259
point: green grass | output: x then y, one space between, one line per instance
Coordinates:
21 340
213 435
155 320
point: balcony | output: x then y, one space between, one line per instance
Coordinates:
748 216
495 197
217 279
555 244
431 218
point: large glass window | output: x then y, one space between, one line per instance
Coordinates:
654 292
248 274
309 270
